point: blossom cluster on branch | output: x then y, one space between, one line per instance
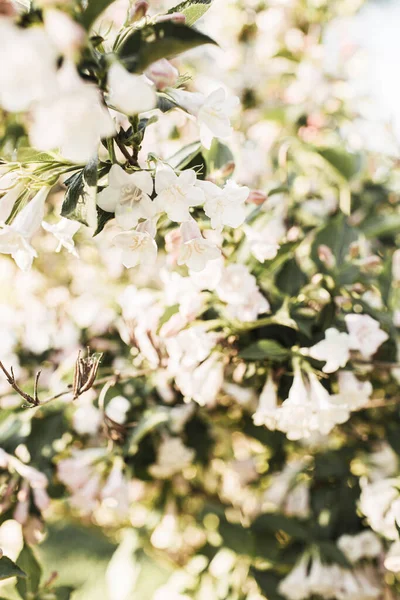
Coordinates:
200 302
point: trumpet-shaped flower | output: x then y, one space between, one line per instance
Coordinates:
195 251
365 334
334 350
138 246
177 193
266 413
225 206
129 93
295 585
8 200
15 239
64 232
172 457
128 195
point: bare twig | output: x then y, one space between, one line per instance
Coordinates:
34 400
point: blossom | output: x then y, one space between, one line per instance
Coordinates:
195 251
129 93
380 503
31 61
15 238
163 74
138 246
128 195
225 206
117 409
363 545
172 457
352 391
326 411
64 32
238 288
176 194
264 242
266 413
64 232
365 334
78 118
392 559
203 383
295 585
294 413
334 349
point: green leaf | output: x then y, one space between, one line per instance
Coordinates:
331 553
346 164
337 235
268 583
94 10
217 156
9 569
151 420
265 349
162 40
192 9
63 593
28 563
291 278
80 200
274 522
102 219
382 226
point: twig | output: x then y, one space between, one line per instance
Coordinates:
12 381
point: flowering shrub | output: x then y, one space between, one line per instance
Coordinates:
200 304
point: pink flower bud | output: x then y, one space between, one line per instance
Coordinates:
140 10
163 74
257 197
325 255
174 17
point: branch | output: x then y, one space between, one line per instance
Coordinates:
34 400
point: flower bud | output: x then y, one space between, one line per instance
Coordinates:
325 255
257 197
174 17
7 9
140 10
163 74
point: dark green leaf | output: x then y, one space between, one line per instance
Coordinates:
337 235
94 10
274 522
331 553
346 164
291 278
63 593
217 156
268 583
80 200
9 569
102 219
162 40
236 537
265 349
151 420
28 563
192 9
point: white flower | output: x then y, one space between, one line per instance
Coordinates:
117 409
265 242
203 383
195 251
128 195
8 200
363 545
225 206
15 238
352 391
86 419
64 32
239 289
365 334
64 232
396 265
163 74
326 412
138 246
295 585
266 413
28 72
380 503
295 412
176 194
77 116
214 117
334 349
172 457
129 93
392 560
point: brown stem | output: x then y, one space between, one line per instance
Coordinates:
131 159
12 381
